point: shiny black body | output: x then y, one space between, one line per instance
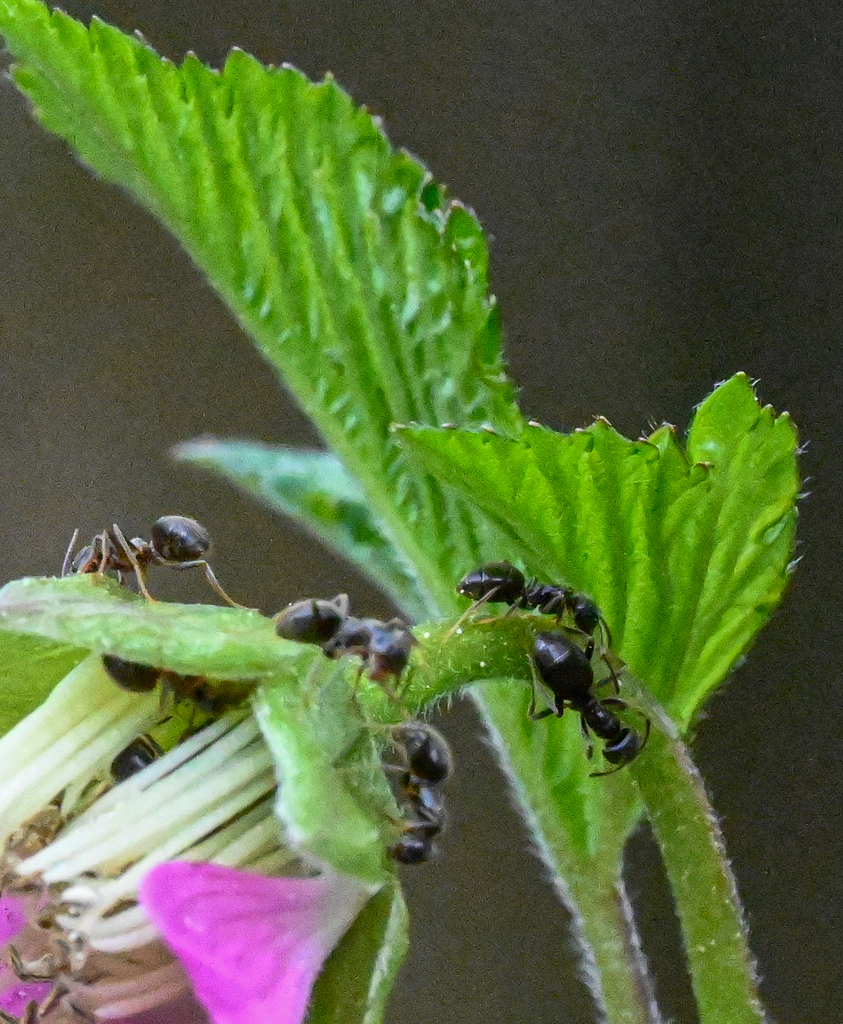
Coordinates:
425 820
503 583
385 647
131 676
565 669
312 621
211 696
177 539
426 751
140 753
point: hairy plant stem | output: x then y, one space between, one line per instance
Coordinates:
722 969
607 939
714 933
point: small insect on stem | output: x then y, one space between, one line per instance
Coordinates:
384 647
176 542
566 670
503 583
212 696
426 764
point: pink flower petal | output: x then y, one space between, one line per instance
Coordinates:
252 946
12 918
14 994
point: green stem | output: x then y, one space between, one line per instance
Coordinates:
703 886
722 969
621 984
612 964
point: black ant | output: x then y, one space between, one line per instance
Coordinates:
212 697
428 764
385 647
565 669
503 583
139 754
176 542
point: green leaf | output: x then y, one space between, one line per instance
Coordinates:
316 489
357 277
686 551
359 975
29 669
334 800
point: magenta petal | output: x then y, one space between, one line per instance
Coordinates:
252 946
14 994
12 918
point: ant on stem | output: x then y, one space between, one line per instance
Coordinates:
566 671
427 765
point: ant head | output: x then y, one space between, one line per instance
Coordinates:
179 539
85 560
585 613
624 749
412 849
389 648
139 754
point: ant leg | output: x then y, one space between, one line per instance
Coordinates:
139 570
102 539
472 609
608 660
609 771
537 716
616 683
68 555
210 577
607 633
622 704
589 746
615 702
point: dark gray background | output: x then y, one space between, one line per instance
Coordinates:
663 186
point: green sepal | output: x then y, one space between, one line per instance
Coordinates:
316 490
96 613
30 666
360 973
333 798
